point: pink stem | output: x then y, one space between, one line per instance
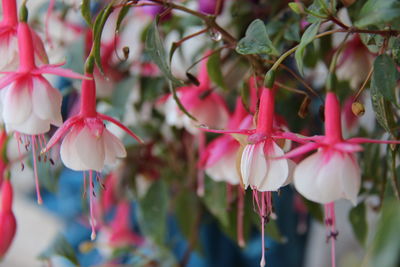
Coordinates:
92 219
200 172
240 216
10 12
38 195
26 49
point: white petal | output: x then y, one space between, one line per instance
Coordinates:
351 179
90 149
258 166
69 155
32 125
292 167
46 101
113 147
305 176
17 103
277 170
246 163
225 169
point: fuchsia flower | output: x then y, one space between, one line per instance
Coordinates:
206 106
87 144
8 224
30 103
9 39
221 154
332 172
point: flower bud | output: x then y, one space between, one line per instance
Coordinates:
358 109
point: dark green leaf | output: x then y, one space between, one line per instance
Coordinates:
214 70
152 212
61 247
378 12
85 10
256 40
358 220
385 76
382 107
306 39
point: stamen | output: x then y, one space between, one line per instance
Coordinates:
92 219
330 222
38 195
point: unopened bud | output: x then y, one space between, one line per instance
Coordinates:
125 50
269 79
358 109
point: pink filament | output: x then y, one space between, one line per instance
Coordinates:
240 216
38 195
330 221
263 216
92 220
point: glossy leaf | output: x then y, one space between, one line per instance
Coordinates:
378 12
256 40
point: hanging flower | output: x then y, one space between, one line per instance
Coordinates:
88 145
30 103
221 154
9 39
206 106
8 224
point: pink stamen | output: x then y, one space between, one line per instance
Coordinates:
330 222
91 201
240 216
38 195
200 172
263 216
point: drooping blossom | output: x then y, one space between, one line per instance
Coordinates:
88 145
354 62
201 102
332 172
8 224
29 103
9 39
221 154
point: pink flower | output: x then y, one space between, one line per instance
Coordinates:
30 103
332 172
8 224
221 154
88 145
9 39
206 106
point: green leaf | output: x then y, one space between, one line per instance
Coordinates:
121 15
358 220
61 247
215 200
256 41
382 107
155 49
298 8
306 39
376 12
385 76
152 212
385 247
85 11
214 70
